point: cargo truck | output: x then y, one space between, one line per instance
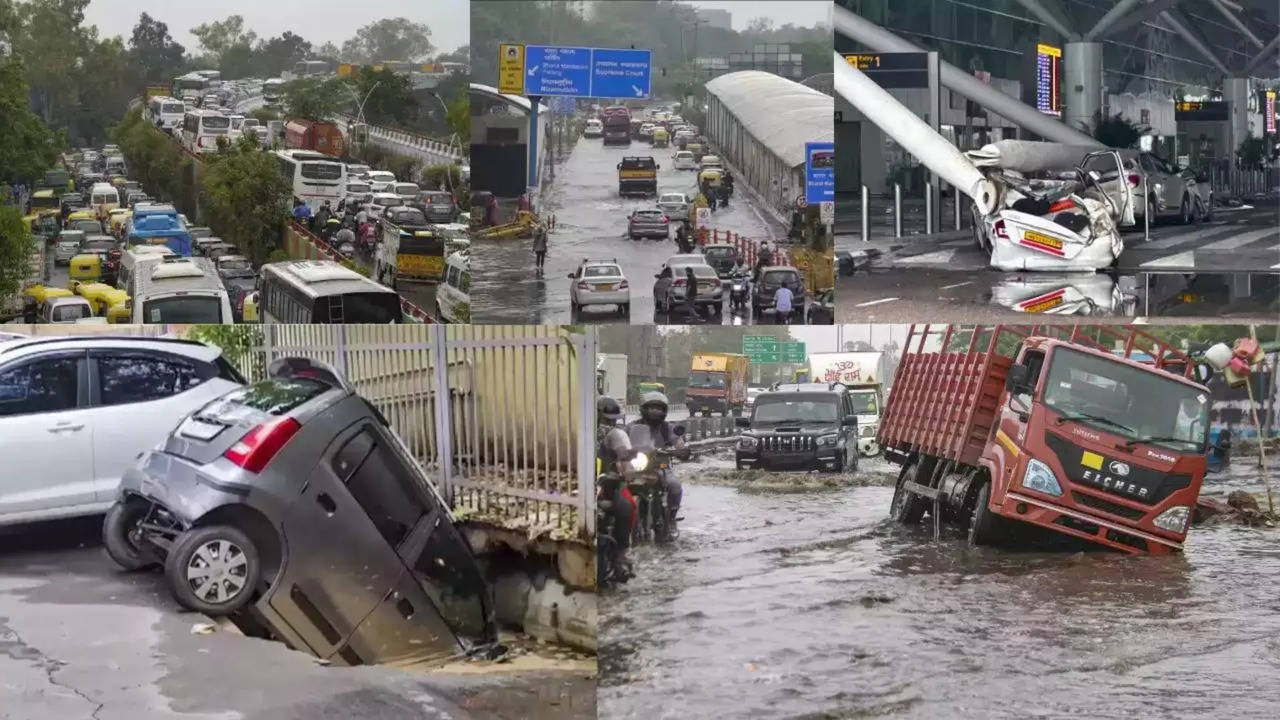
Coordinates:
611 376
638 175
411 250
1095 433
322 137
862 374
717 383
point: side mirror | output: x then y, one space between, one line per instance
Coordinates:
850 421
1017 377
678 430
742 422
570 276
1203 373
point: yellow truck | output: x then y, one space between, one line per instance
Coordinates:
637 175
717 383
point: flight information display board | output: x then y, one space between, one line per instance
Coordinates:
1200 110
1048 71
1269 113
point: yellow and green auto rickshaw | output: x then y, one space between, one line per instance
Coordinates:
85 268
661 138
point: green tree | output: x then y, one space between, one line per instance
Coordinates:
388 97
27 148
246 198
240 345
104 94
313 99
153 51
53 43
388 39
1116 131
280 53
16 245
328 51
219 37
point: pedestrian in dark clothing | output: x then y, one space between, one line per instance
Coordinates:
691 293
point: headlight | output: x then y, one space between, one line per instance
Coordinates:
828 440
867 431
639 462
746 442
1174 519
1040 478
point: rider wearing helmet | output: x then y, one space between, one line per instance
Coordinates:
613 449
653 413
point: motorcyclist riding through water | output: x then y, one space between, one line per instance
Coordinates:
614 450
653 414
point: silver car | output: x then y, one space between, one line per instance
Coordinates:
1174 191
648 223
670 286
675 205
293 499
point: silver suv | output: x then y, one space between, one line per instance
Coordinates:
293 499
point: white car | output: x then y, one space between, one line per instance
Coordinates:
381 180
67 439
453 295
599 283
709 161
683 160
358 171
593 129
382 201
675 205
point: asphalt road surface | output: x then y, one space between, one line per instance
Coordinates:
1229 267
591 222
82 640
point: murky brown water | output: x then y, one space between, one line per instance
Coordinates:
814 605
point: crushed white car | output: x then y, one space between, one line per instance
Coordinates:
1091 294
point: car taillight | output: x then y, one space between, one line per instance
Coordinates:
260 444
624 285
1133 180
666 219
582 285
1000 231
678 282
715 282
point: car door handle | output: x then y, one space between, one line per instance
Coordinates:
326 503
67 427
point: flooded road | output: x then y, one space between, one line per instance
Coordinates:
591 222
814 605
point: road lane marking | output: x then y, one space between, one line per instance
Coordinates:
1240 240
1182 259
942 257
956 285
876 302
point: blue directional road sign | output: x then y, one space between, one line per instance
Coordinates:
819 172
550 70
617 73
587 72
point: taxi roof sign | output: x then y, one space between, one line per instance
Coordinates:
511 69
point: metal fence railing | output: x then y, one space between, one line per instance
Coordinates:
501 417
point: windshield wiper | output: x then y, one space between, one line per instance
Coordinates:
1096 418
1157 438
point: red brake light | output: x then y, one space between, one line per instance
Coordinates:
1000 231
259 445
582 285
678 282
1133 180
624 285
666 219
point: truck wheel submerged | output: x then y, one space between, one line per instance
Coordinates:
984 525
907 508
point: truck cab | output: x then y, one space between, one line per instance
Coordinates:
1063 433
638 175
717 383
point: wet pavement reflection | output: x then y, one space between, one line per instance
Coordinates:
591 222
816 605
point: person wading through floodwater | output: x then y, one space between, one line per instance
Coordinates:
540 247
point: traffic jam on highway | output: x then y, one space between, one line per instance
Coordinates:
640 220
367 248
1006 461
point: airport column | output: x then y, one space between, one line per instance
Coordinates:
1082 78
1235 90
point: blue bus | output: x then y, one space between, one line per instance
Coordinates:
158 225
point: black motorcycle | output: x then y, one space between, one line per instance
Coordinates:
739 292
654 520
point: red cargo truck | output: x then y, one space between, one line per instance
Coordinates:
322 137
1098 433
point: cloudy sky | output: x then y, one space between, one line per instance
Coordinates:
316 20
804 13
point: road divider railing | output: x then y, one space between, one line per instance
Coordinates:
409 139
302 244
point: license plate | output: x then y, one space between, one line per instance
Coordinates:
1031 236
605 288
1045 305
199 430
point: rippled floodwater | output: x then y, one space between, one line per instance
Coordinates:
815 605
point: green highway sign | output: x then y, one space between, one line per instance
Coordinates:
793 352
761 348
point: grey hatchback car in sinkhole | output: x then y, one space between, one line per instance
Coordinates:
293 505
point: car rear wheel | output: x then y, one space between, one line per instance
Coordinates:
122 536
213 569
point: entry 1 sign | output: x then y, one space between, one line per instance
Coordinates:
819 172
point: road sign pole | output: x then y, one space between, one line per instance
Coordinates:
533 140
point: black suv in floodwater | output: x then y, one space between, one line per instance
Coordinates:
805 426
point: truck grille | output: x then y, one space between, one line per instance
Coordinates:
787 443
1107 506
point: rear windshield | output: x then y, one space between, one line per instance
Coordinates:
406 189
439 198
601 271
71 312
719 252
183 309
360 188
321 171
381 307
637 162
215 122
700 271
276 396
650 214
780 276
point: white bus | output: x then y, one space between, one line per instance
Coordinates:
322 291
166 112
202 128
311 68
171 289
271 90
190 86
314 177
213 76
